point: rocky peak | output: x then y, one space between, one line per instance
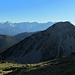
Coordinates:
55 42
63 25
60 26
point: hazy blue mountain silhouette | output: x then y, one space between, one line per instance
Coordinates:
9 28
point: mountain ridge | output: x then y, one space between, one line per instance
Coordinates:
55 42
8 28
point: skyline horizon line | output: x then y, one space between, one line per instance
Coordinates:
34 21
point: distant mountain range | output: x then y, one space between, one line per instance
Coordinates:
8 28
55 42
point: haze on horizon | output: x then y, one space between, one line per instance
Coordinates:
37 10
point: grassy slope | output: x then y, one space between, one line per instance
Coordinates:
62 66
9 67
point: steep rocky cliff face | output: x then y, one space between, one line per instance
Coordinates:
55 42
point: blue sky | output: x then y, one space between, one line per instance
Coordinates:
37 10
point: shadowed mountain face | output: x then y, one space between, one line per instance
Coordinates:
9 28
22 36
55 42
8 41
